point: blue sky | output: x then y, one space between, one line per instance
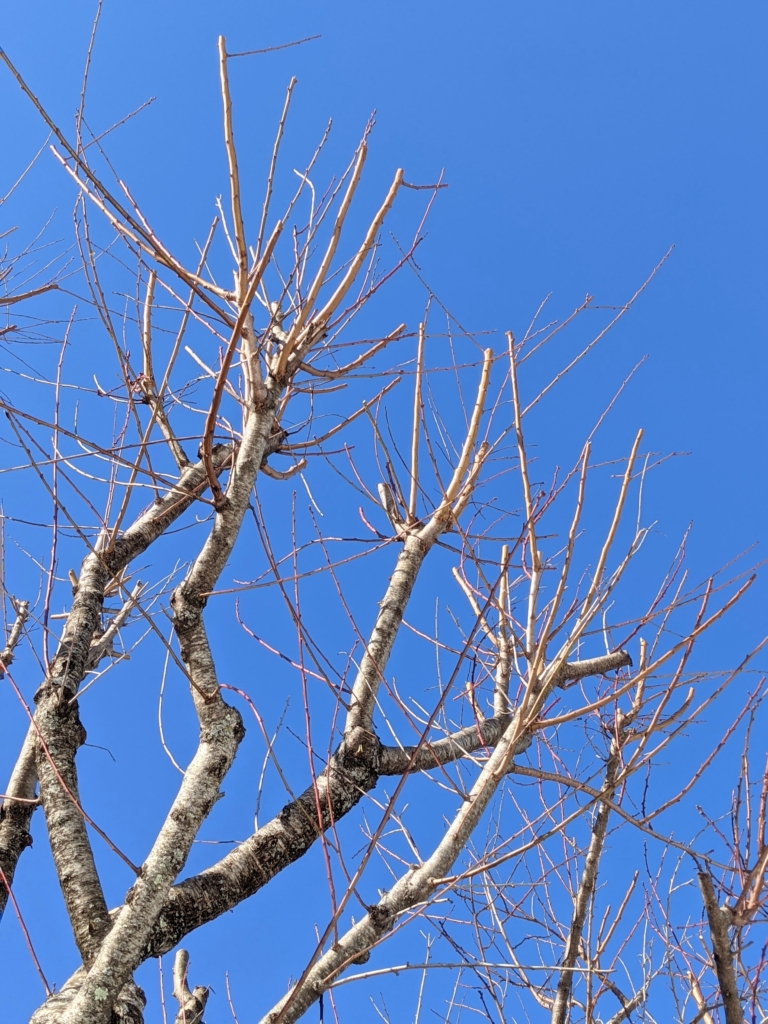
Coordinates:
580 142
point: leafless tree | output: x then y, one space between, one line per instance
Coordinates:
543 875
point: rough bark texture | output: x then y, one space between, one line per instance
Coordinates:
59 725
16 814
204 897
120 952
719 921
221 730
411 888
72 656
420 882
353 771
128 1007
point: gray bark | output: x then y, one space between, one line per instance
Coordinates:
221 730
719 921
62 733
418 884
73 654
16 813
287 837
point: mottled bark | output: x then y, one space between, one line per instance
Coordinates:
128 1008
287 837
420 882
398 760
353 771
220 733
573 670
221 730
16 813
73 655
414 887
59 725
719 920
60 733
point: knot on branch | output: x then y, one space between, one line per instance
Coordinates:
380 917
187 607
275 441
219 720
359 756
129 1007
52 700
523 742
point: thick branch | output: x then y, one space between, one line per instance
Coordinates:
74 653
353 771
62 733
414 887
220 733
221 730
719 921
128 1008
395 760
420 883
196 901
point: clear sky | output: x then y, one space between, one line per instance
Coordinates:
580 142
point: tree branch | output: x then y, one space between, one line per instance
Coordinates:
191 1004
719 920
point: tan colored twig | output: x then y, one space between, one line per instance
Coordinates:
597 576
226 362
345 422
151 245
416 427
698 998
363 358
283 474
303 333
501 706
529 516
147 379
191 1003
325 264
9 300
272 163
455 485
234 177
651 668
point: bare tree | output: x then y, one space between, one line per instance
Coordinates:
573 679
